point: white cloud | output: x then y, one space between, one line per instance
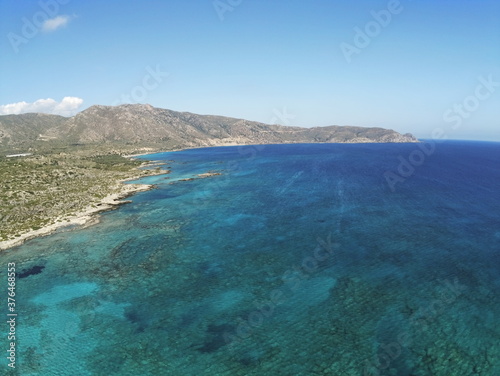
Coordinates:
67 107
55 23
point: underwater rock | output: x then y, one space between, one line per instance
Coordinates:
37 269
215 337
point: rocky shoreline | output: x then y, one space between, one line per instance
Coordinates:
85 217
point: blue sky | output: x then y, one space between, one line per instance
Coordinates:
417 66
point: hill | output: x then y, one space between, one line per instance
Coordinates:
141 125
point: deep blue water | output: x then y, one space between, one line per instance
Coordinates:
329 259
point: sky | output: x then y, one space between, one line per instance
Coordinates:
422 67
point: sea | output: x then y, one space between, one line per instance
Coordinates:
301 259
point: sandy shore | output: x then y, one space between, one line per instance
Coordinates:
85 217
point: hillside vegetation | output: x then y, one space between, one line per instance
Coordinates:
146 126
77 161
37 190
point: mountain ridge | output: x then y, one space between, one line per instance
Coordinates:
143 124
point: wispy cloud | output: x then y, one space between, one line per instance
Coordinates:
55 23
67 107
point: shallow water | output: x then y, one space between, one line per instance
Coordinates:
297 260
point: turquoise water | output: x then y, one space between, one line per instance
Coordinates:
297 260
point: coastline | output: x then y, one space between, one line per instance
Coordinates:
89 215
83 218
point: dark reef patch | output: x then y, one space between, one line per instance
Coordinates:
215 337
37 269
